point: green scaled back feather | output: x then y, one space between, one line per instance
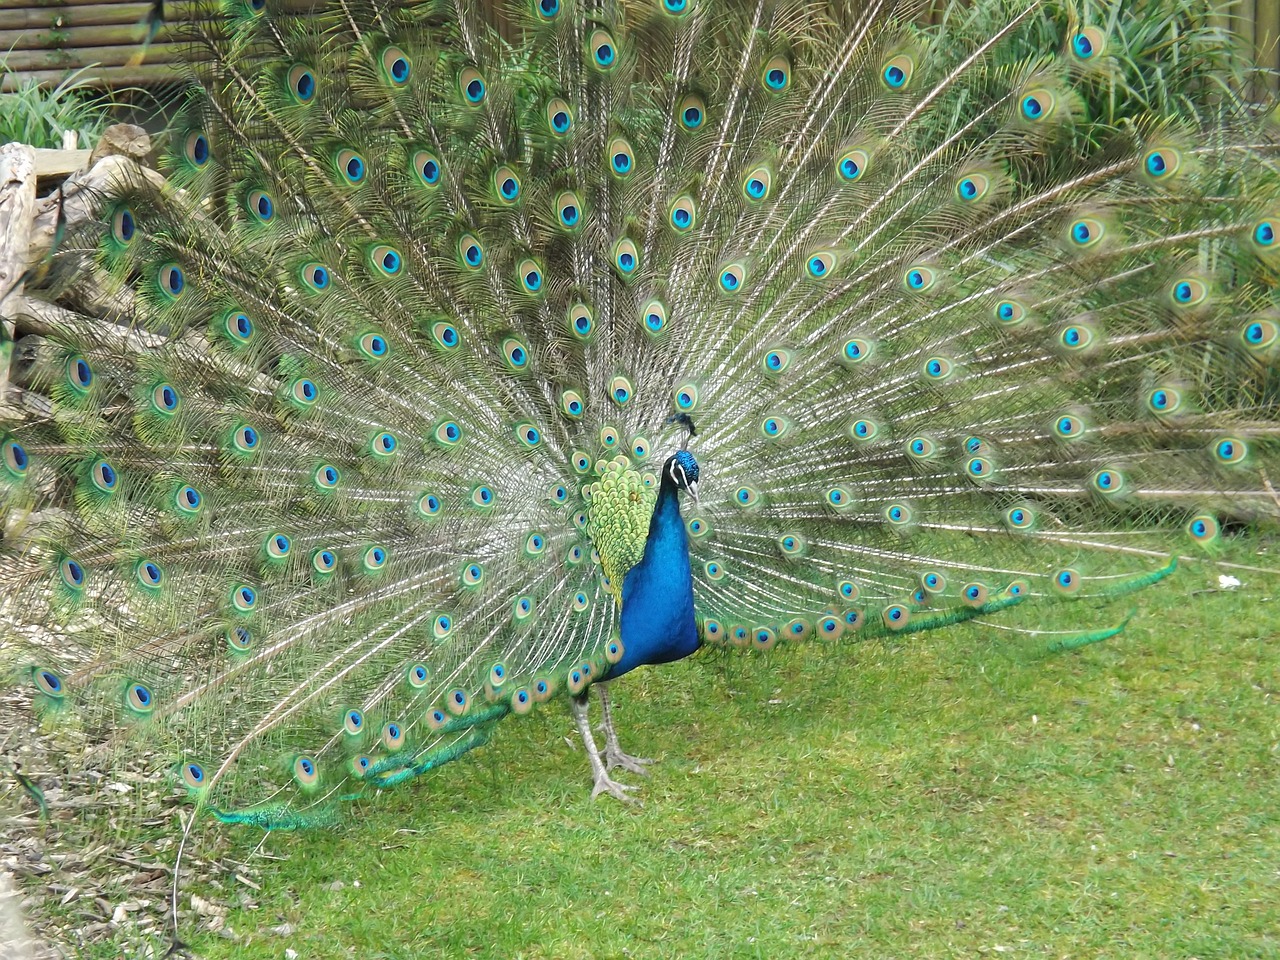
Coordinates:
970 322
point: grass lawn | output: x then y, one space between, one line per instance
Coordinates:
955 794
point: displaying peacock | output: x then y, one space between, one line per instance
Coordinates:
470 359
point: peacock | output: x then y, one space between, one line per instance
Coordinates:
467 358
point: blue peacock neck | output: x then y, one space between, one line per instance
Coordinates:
658 624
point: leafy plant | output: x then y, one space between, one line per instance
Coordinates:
39 115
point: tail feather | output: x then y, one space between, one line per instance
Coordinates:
967 326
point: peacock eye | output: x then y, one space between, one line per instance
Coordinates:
317 277
506 184
426 165
757 184
472 86
620 390
568 209
196 149
171 281
529 273
691 112
897 72
776 75
1088 44
973 187
852 164
683 214
396 66
626 256
1037 105
124 226
471 252
732 277
603 51
301 83
686 398
622 159
653 317
350 166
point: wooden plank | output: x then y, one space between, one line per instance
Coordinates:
54 4
52 163
147 75
76 38
113 56
67 19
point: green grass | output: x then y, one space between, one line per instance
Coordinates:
955 795
951 795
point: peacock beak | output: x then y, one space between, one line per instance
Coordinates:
692 487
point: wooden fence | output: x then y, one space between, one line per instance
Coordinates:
45 40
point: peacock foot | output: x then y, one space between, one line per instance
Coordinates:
614 757
606 784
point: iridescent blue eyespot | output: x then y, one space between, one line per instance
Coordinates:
1260 334
472 86
316 276
196 149
171 280
72 573
302 83
604 54
149 574
1230 450
188 499
48 683
79 374
428 168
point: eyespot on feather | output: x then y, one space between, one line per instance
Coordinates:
397 68
472 86
620 157
691 112
1088 45
602 52
776 75
426 167
559 117
897 72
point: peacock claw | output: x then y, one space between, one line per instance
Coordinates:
614 757
605 784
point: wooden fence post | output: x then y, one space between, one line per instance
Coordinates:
17 208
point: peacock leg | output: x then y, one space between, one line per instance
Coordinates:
604 784
613 755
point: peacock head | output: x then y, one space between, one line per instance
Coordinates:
682 470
